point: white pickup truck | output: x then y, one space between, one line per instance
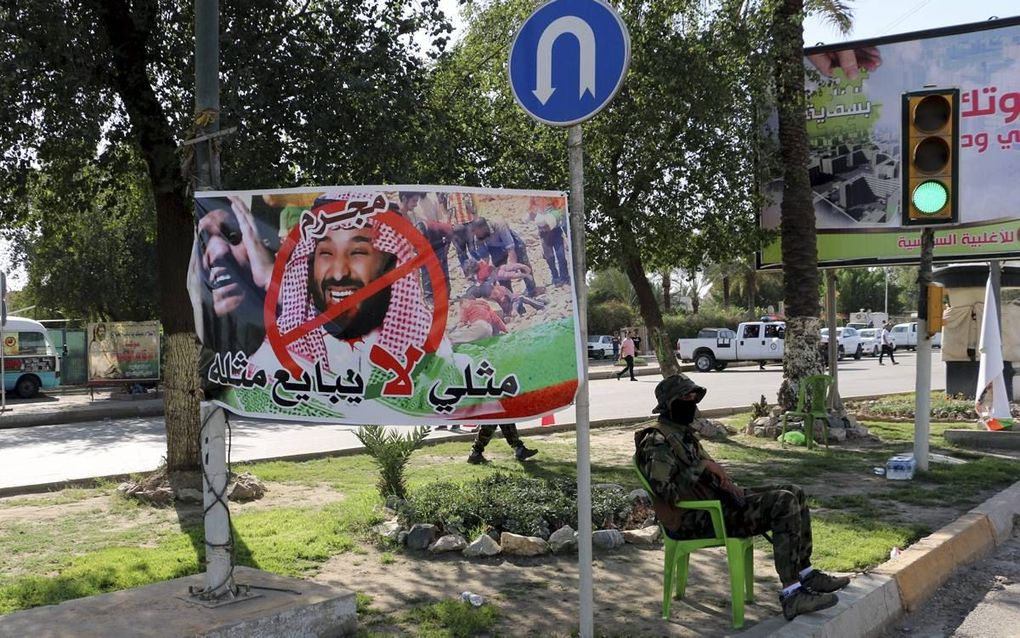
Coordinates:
905 336
753 341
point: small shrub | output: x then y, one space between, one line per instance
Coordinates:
390 452
609 508
760 409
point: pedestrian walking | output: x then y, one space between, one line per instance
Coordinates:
888 346
627 349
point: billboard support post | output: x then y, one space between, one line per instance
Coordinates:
830 322
219 580
922 399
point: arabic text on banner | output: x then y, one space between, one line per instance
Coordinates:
395 305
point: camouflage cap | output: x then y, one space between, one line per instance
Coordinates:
673 387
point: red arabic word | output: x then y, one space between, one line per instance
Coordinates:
1008 103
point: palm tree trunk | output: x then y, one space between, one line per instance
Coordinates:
799 242
726 291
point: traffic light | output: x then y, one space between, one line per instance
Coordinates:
931 144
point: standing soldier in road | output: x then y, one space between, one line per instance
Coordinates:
677 468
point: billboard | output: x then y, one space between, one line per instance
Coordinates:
123 351
391 305
854 124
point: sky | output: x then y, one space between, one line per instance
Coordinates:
879 18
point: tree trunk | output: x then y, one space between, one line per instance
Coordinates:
667 291
799 242
183 442
726 291
127 28
630 261
695 298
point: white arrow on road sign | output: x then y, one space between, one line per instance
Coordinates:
543 57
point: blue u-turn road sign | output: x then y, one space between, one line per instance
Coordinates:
568 60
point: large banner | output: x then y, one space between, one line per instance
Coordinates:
123 351
393 305
854 126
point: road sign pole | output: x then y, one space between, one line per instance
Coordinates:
575 157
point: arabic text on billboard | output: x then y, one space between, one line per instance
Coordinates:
396 305
854 127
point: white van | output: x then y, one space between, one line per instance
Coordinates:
30 361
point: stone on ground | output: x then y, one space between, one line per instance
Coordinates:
517 545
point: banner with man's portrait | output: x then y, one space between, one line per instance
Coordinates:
390 305
120 351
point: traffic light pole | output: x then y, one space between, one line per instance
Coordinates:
922 399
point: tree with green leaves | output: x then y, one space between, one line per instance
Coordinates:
321 92
668 168
88 241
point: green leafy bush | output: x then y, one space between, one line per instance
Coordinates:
516 504
609 317
684 326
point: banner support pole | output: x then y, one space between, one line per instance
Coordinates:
575 156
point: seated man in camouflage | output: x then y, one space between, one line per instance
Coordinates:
678 469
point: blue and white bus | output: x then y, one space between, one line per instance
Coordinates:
30 361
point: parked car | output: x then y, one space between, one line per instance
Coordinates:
600 346
848 340
753 341
871 341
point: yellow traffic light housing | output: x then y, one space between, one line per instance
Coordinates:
930 157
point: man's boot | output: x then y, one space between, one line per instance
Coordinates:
822 583
522 453
476 458
802 601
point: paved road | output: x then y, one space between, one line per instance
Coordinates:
981 600
43 454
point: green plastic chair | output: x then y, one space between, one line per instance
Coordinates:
739 557
817 407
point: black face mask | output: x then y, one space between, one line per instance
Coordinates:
682 412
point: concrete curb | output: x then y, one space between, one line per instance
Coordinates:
91 412
875 600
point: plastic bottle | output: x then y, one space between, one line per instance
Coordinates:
474 599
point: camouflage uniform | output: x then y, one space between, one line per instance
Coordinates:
671 458
485 432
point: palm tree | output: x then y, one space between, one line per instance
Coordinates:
799 245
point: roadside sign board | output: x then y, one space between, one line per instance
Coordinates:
856 145
568 60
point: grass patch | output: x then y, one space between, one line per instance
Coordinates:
902 405
451 619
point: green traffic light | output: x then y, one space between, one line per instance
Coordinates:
930 197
